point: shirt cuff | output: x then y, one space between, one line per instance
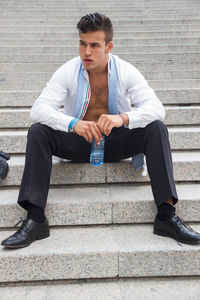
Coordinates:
63 122
134 119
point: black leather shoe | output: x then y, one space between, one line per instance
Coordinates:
176 229
27 233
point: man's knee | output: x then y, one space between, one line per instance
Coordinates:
157 127
36 130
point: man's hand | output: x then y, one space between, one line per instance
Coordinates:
88 129
107 122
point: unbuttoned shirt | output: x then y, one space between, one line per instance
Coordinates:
61 90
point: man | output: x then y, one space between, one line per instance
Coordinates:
88 86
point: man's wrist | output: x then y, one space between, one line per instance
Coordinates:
72 125
126 119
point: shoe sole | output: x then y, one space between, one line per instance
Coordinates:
44 236
173 237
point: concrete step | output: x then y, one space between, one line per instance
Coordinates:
100 6
136 57
99 252
175 115
72 28
56 22
113 13
117 42
142 66
186 138
155 84
118 34
101 204
186 166
122 16
183 288
167 96
153 75
73 50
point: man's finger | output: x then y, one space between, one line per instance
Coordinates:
90 135
105 127
95 134
98 131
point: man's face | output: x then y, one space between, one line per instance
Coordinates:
93 50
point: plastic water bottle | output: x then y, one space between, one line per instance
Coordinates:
97 152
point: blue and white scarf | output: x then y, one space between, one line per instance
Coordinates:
138 161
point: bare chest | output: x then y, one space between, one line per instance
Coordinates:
98 100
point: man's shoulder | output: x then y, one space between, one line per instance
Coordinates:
126 70
123 65
73 62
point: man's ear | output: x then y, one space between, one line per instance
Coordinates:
109 46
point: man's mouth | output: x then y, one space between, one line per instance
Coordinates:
87 60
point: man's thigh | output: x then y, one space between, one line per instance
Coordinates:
120 144
123 143
69 145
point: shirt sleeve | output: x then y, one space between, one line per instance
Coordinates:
147 107
45 108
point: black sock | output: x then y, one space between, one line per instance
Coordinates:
166 211
35 213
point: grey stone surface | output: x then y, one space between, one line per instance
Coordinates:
68 253
66 22
73 50
65 206
15 99
180 138
142 66
175 115
155 84
184 115
128 34
150 57
72 28
186 166
184 288
167 96
138 257
94 252
153 75
104 204
146 16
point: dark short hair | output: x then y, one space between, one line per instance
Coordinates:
96 21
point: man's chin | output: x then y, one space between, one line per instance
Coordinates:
89 66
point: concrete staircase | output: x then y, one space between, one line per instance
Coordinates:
102 244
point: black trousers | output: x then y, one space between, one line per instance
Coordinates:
43 142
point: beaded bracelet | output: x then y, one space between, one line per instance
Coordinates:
122 119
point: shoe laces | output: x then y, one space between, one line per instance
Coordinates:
181 222
23 224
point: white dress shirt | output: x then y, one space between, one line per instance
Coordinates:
61 90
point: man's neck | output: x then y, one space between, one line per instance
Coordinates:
99 72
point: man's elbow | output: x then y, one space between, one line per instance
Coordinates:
33 114
162 114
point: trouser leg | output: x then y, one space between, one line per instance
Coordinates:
153 141
42 143
159 162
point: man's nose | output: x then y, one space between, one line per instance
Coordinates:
88 50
